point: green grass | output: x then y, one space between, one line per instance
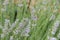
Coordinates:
40 22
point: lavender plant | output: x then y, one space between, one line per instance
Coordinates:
29 20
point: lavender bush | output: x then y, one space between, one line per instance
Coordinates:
29 20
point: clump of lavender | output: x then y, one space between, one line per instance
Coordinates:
35 20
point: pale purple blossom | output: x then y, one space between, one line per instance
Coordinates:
20 24
14 24
56 24
52 38
23 22
26 31
52 17
55 27
32 10
34 18
11 37
6 2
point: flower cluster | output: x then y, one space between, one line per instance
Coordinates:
8 27
55 27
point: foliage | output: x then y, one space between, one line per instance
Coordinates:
35 20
